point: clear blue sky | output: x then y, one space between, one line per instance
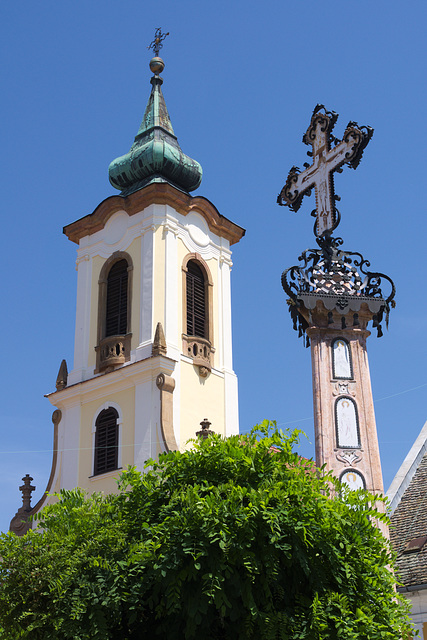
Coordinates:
240 82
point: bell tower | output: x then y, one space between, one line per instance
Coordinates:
153 344
332 298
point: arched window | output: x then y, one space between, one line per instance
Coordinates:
117 300
106 441
196 301
197 330
114 312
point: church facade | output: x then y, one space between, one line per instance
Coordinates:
153 343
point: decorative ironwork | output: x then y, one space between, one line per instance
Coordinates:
156 45
329 154
341 280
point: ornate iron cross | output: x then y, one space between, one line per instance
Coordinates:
329 154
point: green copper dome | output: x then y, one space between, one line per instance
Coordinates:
155 155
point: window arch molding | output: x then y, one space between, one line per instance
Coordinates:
111 352
198 348
119 422
208 283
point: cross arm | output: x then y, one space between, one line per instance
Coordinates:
356 138
297 185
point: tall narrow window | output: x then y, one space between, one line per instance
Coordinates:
196 301
197 326
106 441
114 312
117 299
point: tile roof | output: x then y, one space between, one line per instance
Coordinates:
409 521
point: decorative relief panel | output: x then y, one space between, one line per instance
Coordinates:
349 457
344 388
353 479
346 423
341 359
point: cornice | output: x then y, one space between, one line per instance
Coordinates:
122 378
155 193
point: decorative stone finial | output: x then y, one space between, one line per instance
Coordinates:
62 378
27 489
159 344
155 155
20 522
205 432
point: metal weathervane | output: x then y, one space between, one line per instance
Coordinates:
156 45
329 154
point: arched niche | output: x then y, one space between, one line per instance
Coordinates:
342 366
347 423
353 479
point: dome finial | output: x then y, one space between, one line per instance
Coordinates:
156 64
155 155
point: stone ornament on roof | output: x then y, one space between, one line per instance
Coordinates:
205 431
20 523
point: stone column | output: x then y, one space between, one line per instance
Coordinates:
344 418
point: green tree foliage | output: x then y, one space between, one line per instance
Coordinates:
233 539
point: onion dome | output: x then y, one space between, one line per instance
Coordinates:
155 155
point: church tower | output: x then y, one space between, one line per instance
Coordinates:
332 299
153 345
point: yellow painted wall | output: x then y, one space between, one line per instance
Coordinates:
126 400
200 398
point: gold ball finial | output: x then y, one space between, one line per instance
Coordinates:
157 65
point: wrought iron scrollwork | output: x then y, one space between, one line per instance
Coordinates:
341 277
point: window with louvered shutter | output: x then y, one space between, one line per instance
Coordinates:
117 299
106 441
196 301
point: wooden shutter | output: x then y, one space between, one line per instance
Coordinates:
117 299
196 301
106 441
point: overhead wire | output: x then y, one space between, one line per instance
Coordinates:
160 442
